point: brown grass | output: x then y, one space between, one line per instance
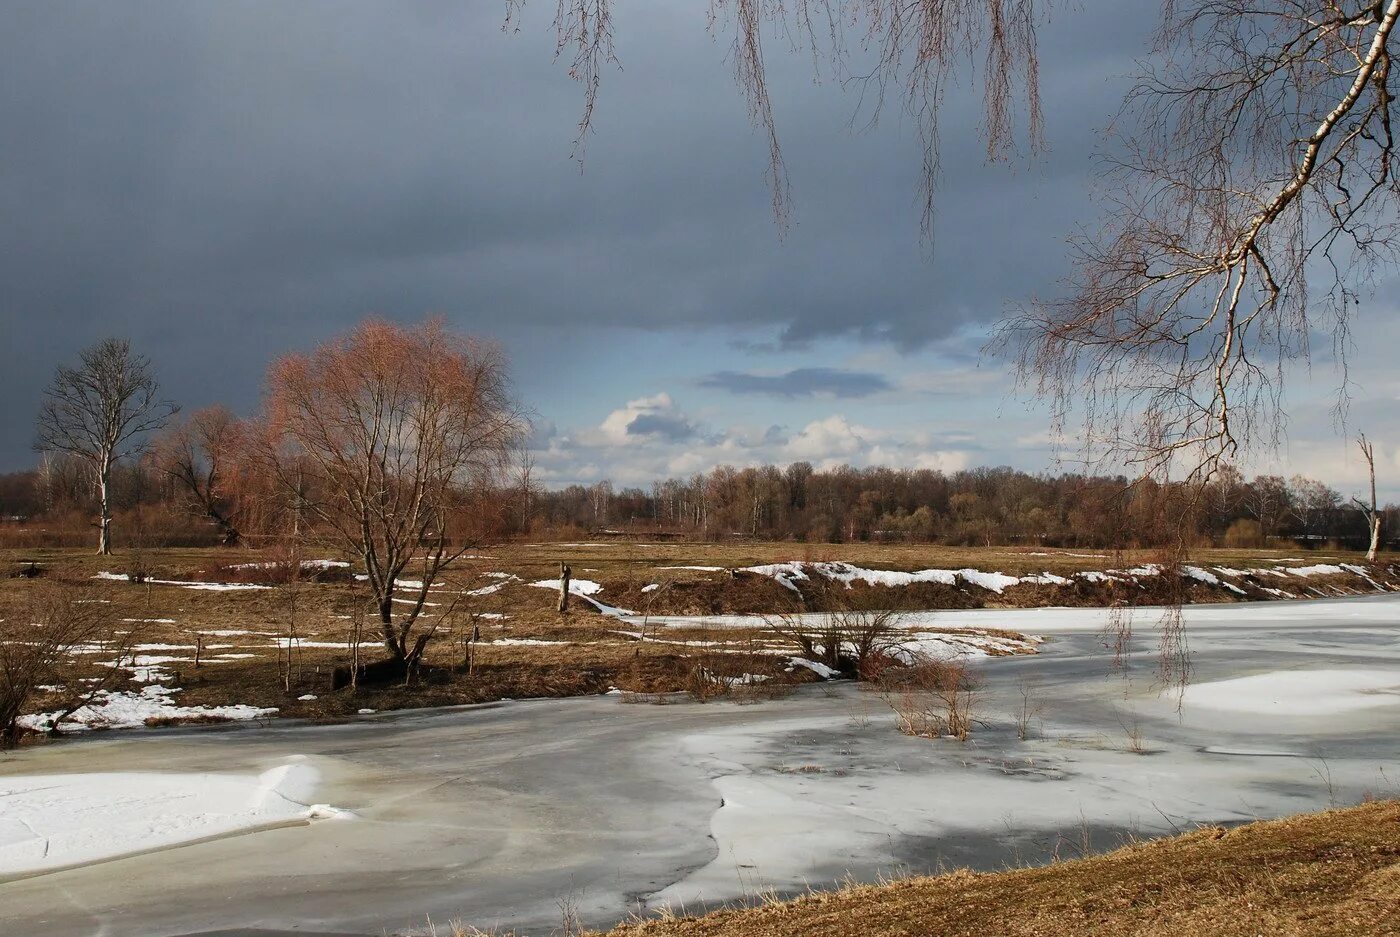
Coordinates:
595 656
1319 875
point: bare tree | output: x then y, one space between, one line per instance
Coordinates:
524 475
203 454
99 412
1254 199
1371 512
387 434
1311 503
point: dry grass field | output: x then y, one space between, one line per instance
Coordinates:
1314 875
227 629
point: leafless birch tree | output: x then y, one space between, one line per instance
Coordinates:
1254 201
1371 512
100 411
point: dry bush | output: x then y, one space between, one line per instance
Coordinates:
1245 533
1029 709
704 683
852 637
933 697
36 644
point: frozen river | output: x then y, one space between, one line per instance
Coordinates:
501 814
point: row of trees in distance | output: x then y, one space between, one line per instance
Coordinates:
210 476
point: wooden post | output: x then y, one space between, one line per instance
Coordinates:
564 574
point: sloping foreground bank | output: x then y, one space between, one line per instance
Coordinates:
1334 873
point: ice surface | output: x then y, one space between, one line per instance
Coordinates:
618 805
1303 692
51 822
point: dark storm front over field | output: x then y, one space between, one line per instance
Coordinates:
222 182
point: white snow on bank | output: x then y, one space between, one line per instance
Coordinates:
206 586
1321 569
790 574
233 632
1274 615
304 643
817 667
50 822
586 589
122 710
1210 579
953 645
525 642
1321 692
305 564
783 573
576 586
611 611
505 580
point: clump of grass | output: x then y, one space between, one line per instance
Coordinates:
932 698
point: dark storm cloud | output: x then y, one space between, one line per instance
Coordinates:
222 181
800 382
665 426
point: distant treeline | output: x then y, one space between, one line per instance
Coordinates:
980 506
54 504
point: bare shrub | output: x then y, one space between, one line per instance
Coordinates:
933 697
37 641
856 640
1132 730
704 683
1029 709
1245 533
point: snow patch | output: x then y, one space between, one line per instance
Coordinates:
205 586
1319 692
123 710
817 667
57 821
576 586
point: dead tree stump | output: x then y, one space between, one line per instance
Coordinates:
564 574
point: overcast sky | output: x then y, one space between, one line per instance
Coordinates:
223 181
